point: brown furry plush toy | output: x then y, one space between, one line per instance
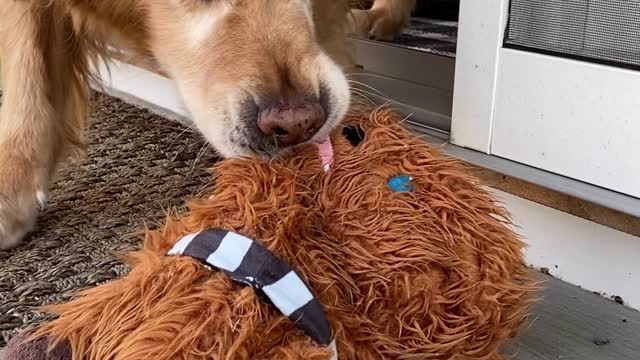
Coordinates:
388 251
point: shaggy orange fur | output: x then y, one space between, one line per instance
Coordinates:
431 274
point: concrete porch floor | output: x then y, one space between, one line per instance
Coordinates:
570 323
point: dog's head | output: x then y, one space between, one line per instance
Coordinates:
256 75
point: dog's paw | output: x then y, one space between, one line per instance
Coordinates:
23 194
378 23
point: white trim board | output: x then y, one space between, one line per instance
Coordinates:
576 250
480 33
593 256
143 88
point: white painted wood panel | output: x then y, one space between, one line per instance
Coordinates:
480 35
577 251
573 118
146 86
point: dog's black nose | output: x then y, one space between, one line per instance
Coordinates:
291 121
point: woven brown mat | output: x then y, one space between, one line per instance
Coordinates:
138 166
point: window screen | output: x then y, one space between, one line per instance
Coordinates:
603 31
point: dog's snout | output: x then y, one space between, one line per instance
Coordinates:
292 121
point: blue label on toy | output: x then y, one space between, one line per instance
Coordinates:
400 183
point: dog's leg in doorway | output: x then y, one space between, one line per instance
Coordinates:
44 106
384 20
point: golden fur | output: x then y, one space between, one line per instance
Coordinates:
381 19
220 53
431 274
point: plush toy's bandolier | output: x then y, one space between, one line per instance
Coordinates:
246 261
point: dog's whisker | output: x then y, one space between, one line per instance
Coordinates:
361 94
366 86
188 129
361 102
203 149
364 90
362 98
175 156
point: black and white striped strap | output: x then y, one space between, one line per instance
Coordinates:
247 262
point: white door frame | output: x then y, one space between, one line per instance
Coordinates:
480 35
572 118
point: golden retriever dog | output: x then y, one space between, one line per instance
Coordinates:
258 76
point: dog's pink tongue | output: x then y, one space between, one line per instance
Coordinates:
325 151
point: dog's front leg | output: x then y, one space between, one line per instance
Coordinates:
41 106
384 21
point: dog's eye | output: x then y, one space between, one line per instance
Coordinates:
353 134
